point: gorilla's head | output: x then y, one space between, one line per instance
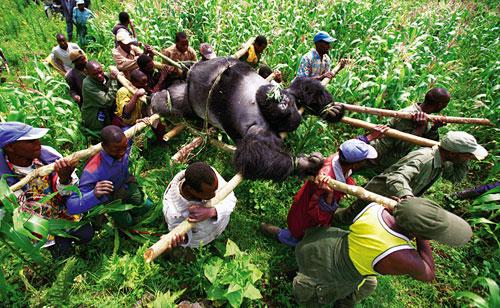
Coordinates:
310 93
278 108
170 102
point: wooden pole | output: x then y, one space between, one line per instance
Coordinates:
408 115
358 192
244 49
159 65
394 133
126 83
183 153
335 71
80 155
168 60
165 241
223 146
270 77
174 132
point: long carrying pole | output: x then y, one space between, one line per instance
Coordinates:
407 115
168 60
126 83
244 49
358 192
77 156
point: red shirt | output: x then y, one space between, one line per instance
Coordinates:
305 212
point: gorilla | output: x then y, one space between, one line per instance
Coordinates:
230 95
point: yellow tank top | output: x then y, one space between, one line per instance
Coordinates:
252 55
370 240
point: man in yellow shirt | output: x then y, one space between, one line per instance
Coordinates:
128 105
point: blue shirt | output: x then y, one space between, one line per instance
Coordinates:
101 167
79 17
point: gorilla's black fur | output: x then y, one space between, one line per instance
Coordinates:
230 95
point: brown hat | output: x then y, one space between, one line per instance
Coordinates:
75 54
207 51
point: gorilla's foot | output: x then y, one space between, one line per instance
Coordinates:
306 165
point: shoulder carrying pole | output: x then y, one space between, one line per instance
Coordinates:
407 115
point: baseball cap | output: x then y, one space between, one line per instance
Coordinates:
80 2
15 131
323 36
123 36
462 142
75 54
355 150
424 218
207 51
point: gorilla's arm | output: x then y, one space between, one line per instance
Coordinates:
312 95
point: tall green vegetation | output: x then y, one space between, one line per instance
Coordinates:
398 50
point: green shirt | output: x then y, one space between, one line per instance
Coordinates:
413 174
390 150
98 102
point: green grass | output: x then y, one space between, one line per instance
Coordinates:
399 50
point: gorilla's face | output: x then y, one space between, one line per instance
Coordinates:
310 93
278 108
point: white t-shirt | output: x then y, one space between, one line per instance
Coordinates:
175 211
63 55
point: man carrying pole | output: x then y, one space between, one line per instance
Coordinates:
391 150
413 174
338 267
185 198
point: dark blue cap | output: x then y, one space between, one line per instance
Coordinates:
13 131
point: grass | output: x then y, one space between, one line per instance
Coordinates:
399 49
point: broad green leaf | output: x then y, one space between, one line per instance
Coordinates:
476 299
232 249
212 269
235 299
251 292
494 291
73 188
233 287
255 272
215 292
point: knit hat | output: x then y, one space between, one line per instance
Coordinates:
425 219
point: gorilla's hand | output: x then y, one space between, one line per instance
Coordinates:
306 165
333 112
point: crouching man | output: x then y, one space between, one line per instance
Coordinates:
106 178
186 197
20 154
333 262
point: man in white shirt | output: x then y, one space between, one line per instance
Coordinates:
186 197
60 53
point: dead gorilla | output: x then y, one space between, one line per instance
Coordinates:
233 97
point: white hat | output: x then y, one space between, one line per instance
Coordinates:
123 36
80 2
462 142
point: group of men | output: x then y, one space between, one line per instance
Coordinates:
334 266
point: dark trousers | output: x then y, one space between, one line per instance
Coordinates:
129 218
64 246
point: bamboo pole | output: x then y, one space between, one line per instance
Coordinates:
357 191
335 71
168 60
270 77
174 132
223 146
183 153
408 115
244 49
159 65
126 83
165 241
80 155
394 133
